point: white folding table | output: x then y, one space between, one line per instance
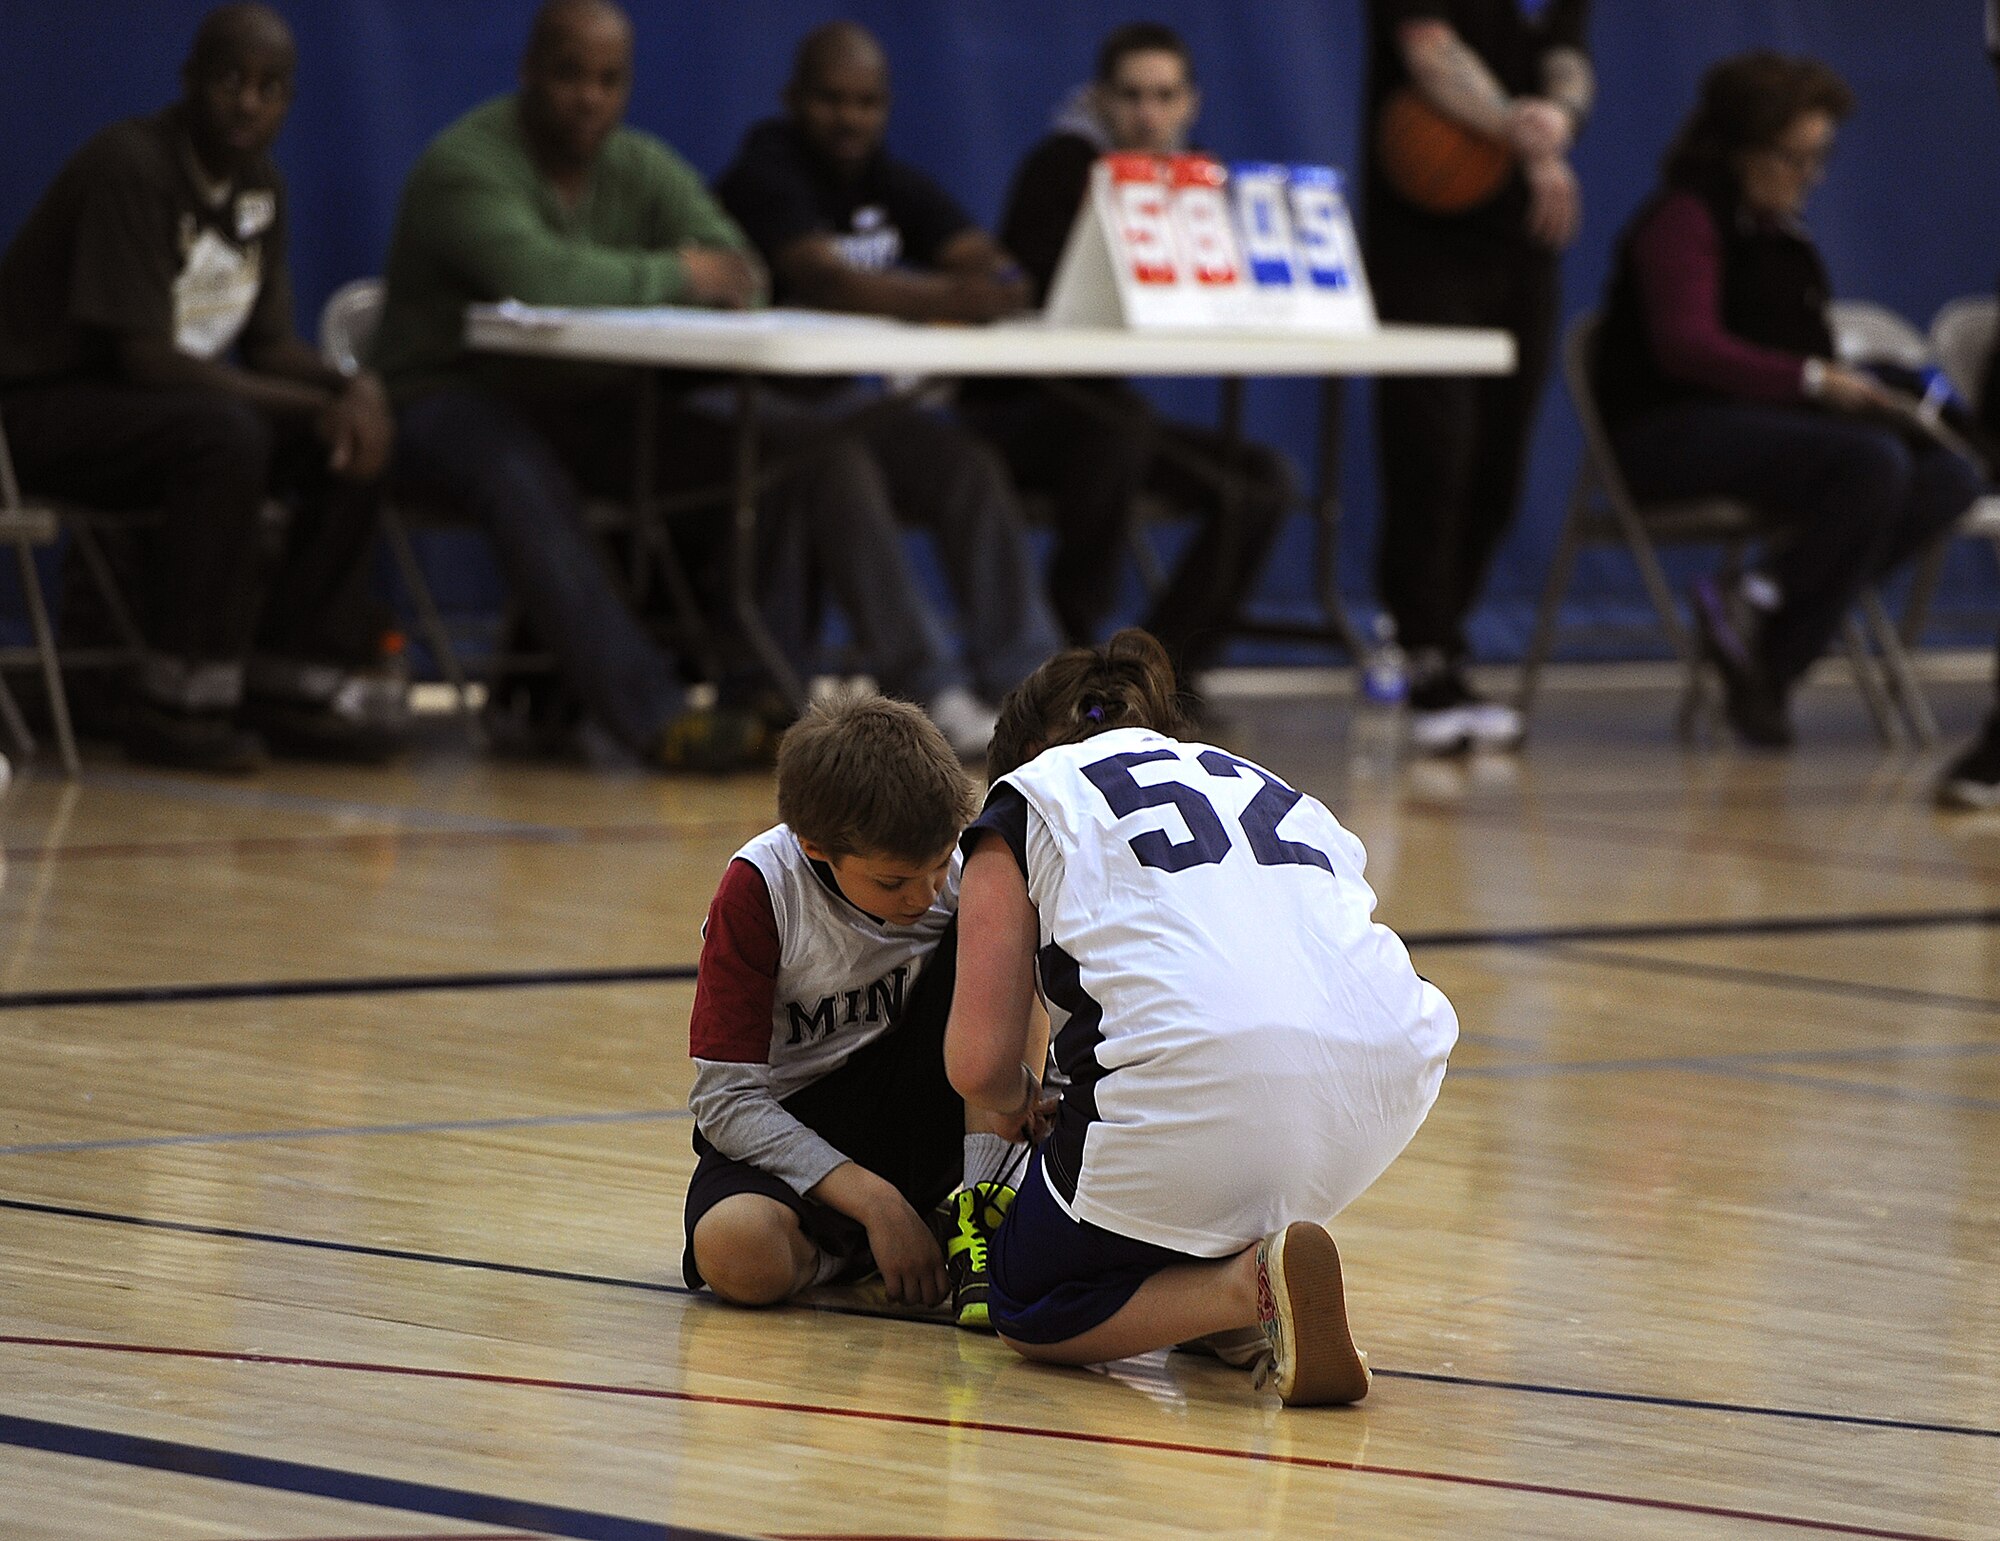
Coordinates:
753 344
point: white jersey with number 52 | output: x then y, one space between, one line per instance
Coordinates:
1245 1046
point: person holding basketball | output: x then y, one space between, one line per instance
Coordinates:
1241 1049
1456 88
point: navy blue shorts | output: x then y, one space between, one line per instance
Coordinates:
1054 1278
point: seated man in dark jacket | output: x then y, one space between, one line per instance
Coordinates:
845 225
1092 447
148 360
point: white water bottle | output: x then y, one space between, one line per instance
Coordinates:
1385 671
1375 732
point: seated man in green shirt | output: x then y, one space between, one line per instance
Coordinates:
544 197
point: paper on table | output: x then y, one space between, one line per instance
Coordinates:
548 318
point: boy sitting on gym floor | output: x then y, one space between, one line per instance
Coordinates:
827 1133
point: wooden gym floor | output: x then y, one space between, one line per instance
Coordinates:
342 1146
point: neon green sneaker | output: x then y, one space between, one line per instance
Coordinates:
971 1216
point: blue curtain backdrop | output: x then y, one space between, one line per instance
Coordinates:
1909 215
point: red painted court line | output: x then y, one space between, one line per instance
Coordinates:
1025 1431
1710 844
370 840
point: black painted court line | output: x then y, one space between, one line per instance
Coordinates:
357 1249
372 840
675 973
433 1259
887 1416
1678 930
386 984
1694 1404
71 1212
332 1482
1777 979
351 1131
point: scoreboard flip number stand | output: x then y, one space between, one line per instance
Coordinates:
1177 242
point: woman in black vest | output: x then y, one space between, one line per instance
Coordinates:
1716 376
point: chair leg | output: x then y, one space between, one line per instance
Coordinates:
15 724
696 637
1152 576
1888 724
1923 587
1541 639
45 644
437 636
1898 672
106 582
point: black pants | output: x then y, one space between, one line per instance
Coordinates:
1851 501
1453 449
208 462
889 1108
1092 458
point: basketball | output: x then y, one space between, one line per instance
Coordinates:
1435 162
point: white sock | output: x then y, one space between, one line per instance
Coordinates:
986 1157
827 1267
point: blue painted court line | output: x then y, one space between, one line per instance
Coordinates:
331 1482
1915 1094
224 794
70 1212
1749 1060
1777 979
1731 1068
389 984
322 1132
1741 1065
1676 930
267 989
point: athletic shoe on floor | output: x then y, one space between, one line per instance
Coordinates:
712 740
1448 717
967 1222
363 719
1973 779
1726 625
1312 1358
966 722
198 741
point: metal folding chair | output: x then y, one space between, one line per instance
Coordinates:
1962 337
346 327
26 527
1603 512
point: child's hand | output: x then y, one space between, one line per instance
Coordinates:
1041 1119
906 1252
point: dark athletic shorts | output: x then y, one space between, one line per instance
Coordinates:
1054 1278
888 1108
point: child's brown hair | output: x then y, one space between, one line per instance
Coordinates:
1082 691
872 776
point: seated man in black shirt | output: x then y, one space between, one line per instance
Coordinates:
148 359
1091 454
846 226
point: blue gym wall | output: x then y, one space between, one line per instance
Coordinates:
1908 216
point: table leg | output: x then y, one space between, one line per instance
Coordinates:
1326 519
645 481
743 551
